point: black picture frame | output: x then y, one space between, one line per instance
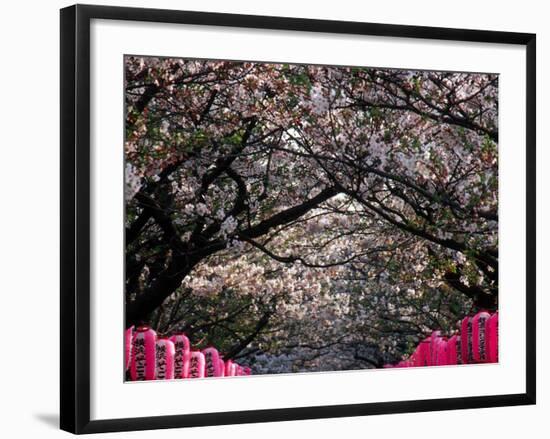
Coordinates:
75 217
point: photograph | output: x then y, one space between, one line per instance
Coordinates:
294 218
274 219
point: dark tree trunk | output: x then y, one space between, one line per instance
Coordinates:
481 298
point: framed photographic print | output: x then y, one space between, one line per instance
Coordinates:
268 218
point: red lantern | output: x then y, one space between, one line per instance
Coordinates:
212 362
492 338
466 340
165 359
440 352
422 353
437 349
182 355
229 369
415 357
143 362
129 334
196 365
454 353
479 337
433 347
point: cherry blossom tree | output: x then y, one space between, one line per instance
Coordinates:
308 217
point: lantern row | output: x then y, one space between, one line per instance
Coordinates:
476 342
149 357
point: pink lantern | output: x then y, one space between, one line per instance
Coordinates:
234 369
454 353
129 334
437 349
229 370
212 362
142 366
413 359
165 354
433 345
422 353
239 371
196 365
222 367
247 371
492 338
441 356
182 355
479 337
466 340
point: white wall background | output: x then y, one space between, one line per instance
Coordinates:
29 194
